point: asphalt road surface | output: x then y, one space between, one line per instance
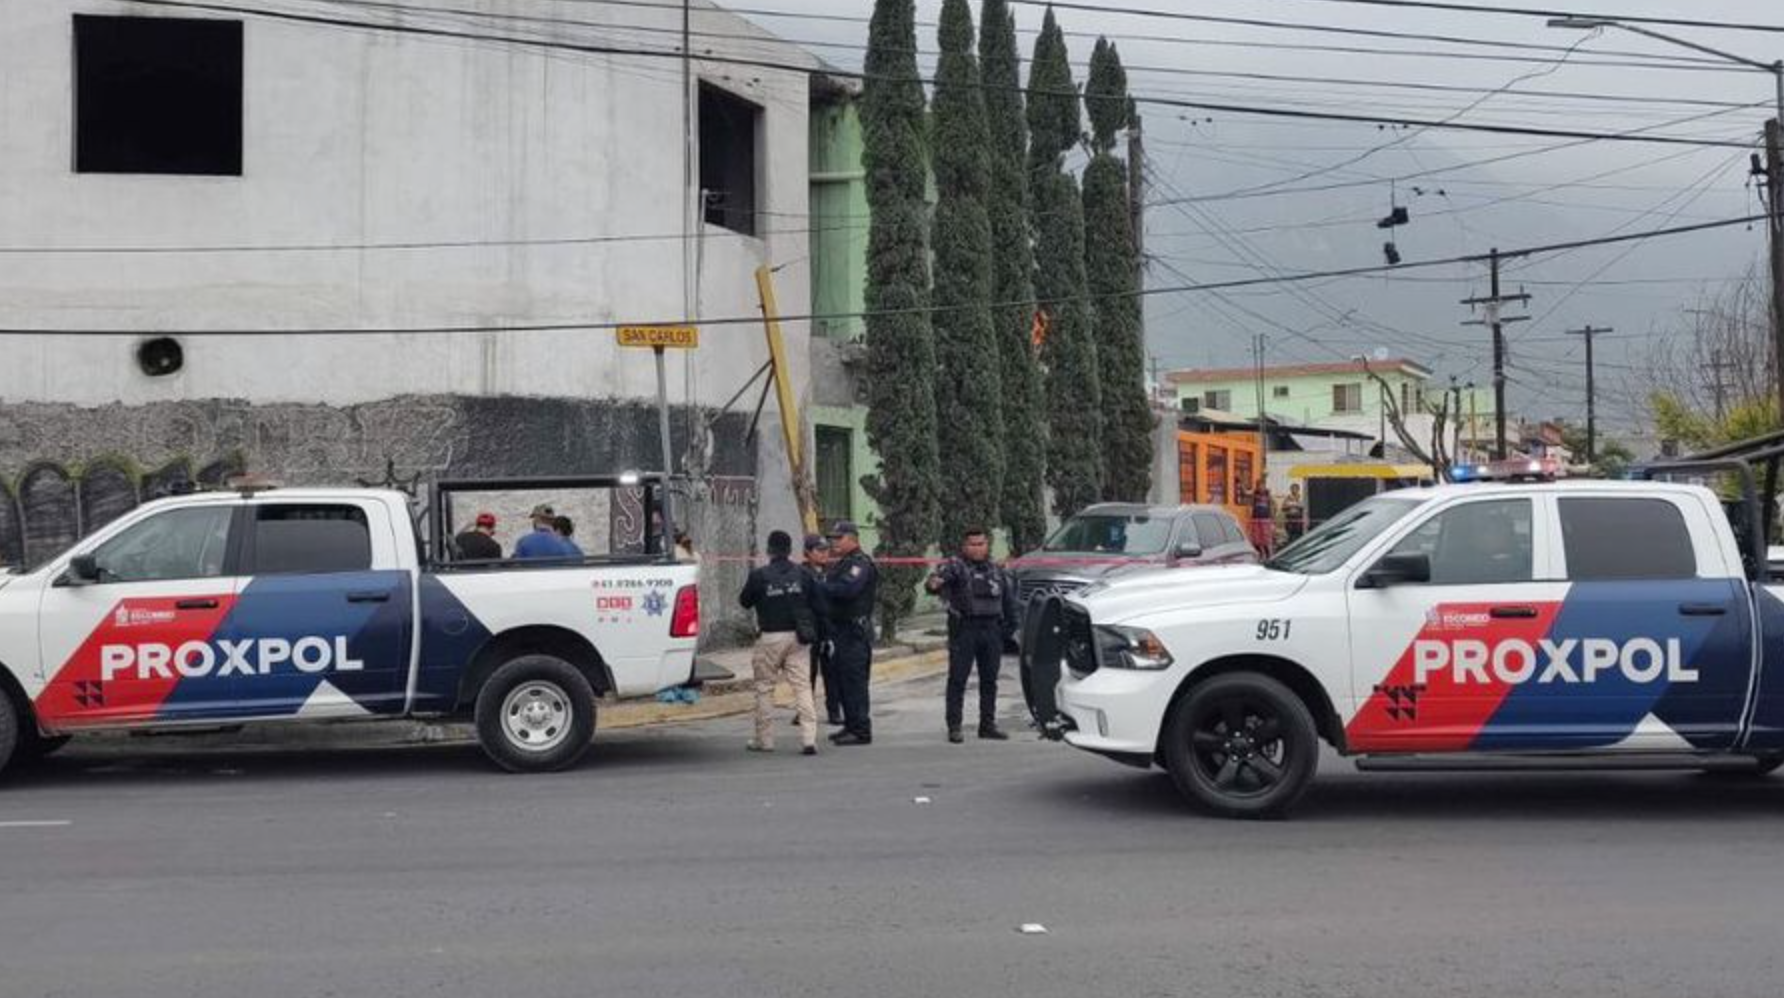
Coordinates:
673 863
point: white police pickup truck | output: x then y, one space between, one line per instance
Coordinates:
1576 618
227 608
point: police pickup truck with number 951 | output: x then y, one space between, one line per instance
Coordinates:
319 605
1580 618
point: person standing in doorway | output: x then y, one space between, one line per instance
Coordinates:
479 542
850 587
982 614
780 593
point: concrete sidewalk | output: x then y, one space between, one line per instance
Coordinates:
920 652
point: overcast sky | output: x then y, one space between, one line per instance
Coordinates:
1540 198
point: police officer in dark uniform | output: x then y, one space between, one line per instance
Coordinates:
817 565
850 587
982 616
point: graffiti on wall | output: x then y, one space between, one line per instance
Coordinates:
66 470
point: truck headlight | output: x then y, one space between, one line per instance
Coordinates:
1132 648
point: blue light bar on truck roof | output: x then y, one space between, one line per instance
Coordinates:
1543 469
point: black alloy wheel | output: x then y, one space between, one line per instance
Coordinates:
1242 745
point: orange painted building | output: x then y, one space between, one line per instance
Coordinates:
1219 468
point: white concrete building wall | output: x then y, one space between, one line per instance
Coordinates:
358 137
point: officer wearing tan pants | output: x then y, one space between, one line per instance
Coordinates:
781 594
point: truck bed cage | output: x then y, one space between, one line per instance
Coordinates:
657 548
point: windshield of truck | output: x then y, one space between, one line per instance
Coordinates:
1333 542
1111 533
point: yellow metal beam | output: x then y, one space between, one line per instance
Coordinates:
791 427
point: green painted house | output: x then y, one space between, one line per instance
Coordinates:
839 214
1333 396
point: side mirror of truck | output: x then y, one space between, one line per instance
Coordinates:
1189 551
83 570
1397 570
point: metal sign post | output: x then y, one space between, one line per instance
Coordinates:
660 339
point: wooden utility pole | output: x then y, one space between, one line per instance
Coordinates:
1494 305
1263 439
1591 333
1774 182
792 426
1718 387
1136 189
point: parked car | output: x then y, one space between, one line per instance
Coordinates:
322 605
1111 538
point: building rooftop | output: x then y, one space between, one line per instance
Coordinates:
1214 375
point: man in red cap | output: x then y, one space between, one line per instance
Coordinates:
479 542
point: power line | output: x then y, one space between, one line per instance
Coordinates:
1439 171
1546 12
1287 280
1637 135
1313 27
1408 137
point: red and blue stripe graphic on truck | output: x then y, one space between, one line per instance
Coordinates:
1667 661
285 645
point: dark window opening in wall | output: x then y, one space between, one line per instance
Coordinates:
157 95
836 485
728 127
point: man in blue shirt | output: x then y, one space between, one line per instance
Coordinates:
566 530
544 541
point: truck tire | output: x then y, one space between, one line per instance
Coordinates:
535 714
9 729
1241 745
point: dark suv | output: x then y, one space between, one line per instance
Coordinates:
1116 537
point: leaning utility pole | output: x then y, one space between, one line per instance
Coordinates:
1591 391
1494 305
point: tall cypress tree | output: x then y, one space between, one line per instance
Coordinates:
901 365
1025 426
1074 397
1111 262
969 405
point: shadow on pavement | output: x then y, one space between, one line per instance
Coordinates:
1344 796
76 767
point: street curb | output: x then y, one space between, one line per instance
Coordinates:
733 697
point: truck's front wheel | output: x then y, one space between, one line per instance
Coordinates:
535 714
1242 745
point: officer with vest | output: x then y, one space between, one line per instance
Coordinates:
817 565
781 594
983 615
850 588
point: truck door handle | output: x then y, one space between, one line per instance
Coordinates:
1703 609
195 604
1512 613
368 597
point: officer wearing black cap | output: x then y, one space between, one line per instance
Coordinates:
817 565
982 611
850 587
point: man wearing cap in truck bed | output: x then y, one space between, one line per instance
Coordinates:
479 542
544 541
